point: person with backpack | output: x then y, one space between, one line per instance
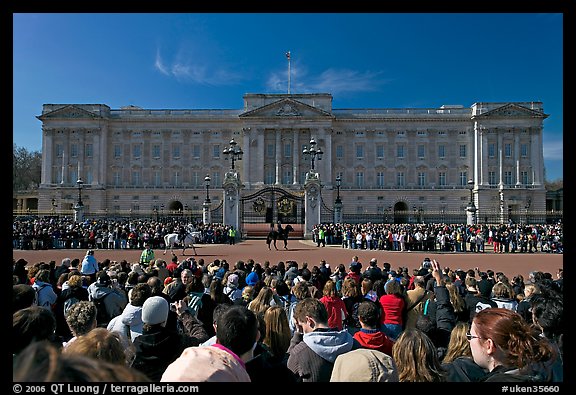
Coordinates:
71 294
45 295
108 298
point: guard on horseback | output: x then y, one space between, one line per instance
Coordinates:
182 232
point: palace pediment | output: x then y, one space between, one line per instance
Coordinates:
512 110
286 108
69 112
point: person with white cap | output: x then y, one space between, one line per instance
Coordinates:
158 346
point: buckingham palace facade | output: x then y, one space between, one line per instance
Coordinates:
393 164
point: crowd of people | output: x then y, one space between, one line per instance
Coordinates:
282 322
504 238
46 233
40 233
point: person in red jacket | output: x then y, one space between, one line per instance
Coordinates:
393 306
335 306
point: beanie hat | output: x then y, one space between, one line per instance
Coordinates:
233 280
155 310
104 279
252 278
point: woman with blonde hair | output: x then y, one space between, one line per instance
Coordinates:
416 358
278 334
270 361
262 301
458 361
458 303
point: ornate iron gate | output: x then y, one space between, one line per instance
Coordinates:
270 205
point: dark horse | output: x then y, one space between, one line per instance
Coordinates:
281 234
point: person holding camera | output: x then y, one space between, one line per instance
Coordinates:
158 345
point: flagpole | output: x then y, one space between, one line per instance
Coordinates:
288 56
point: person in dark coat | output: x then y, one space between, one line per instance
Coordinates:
159 346
474 300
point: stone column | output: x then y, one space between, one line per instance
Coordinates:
500 158
246 157
278 156
206 215
517 157
78 213
258 176
536 155
295 157
311 202
47 146
337 212
231 202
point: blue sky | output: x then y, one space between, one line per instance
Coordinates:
203 61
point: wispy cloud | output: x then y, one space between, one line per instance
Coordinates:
553 150
187 70
336 81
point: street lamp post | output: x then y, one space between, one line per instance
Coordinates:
206 206
54 205
338 202
313 152
234 152
338 184
527 207
79 205
471 210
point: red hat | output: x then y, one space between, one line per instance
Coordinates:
167 280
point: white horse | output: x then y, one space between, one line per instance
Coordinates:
172 238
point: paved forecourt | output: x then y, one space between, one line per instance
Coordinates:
306 251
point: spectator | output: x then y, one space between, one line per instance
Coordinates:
89 266
315 346
23 295
393 307
100 343
416 358
236 334
334 305
270 354
113 299
503 343
524 307
502 295
364 365
231 289
159 346
45 295
370 336
352 297
81 319
32 324
43 362
458 361
129 324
